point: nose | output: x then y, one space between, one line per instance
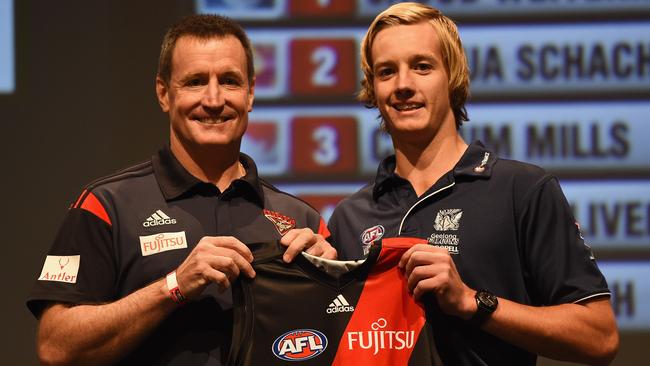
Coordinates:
404 87
213 97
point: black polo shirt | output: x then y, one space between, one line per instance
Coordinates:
507 226
130 229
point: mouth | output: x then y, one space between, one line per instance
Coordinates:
212 120
405 107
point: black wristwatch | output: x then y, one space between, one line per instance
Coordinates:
486 304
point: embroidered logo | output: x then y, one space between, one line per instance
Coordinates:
371 235
162 242
158 218
282 223
448 219
60 268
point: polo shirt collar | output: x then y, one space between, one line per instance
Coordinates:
476 161
174 180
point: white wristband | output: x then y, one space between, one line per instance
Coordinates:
174 292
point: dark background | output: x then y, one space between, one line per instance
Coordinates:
85 106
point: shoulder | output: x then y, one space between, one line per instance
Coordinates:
520 174
121 176
525 181
129 180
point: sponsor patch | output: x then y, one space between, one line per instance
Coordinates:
162 242
60 268
381 337
299 345
282 223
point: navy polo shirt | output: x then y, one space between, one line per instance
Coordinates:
507 226
130 229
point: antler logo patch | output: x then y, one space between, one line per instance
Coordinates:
282 223
448 219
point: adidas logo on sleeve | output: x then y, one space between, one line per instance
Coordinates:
158 218
339 305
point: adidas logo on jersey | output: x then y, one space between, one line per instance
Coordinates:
158 218
339 305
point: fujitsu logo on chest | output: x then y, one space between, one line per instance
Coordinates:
162 242
379 338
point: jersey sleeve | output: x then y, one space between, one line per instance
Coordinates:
79 268
559 266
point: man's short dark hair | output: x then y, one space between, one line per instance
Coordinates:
202 26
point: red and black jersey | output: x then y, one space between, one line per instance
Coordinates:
324 312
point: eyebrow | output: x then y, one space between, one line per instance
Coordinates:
414 58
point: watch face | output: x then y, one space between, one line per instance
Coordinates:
489 300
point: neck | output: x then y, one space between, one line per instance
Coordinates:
422 166
218 165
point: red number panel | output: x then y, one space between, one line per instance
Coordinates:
324 145
321 8
323 66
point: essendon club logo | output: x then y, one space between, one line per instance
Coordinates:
299 345
372 234
282 223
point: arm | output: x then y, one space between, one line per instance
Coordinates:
103 334
584 332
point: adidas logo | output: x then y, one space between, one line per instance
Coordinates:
158 218
340 305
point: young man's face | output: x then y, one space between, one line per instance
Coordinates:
208 97
410 81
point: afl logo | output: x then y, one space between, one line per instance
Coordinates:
372 234
299 345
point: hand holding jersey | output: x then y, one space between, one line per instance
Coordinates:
222 259
298 240
431 269
218 259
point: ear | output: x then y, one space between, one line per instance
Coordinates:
251 94
162 92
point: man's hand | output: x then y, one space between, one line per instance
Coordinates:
218 259
431 269
305 239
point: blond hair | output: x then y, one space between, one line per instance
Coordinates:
451 46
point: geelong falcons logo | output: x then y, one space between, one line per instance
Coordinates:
448 219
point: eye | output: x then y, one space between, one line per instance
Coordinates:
192 82
384 72
423 66
230 81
